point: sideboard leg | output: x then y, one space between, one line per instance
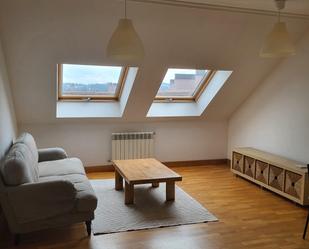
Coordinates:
16 239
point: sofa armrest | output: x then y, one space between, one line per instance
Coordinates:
51 154
42 200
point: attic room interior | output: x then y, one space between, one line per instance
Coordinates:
154 124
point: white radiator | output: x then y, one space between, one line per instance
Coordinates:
132 145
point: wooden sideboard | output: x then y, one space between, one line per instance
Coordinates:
280 175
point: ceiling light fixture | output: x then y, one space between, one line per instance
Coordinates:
125 44
278 43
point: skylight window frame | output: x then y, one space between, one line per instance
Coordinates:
89 97
197 93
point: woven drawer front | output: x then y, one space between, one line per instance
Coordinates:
249 166
261 171
276 177
293 184
238 162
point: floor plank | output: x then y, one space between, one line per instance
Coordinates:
249 217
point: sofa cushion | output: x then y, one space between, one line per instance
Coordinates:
19 166
61 167
86 200
51 154
28 140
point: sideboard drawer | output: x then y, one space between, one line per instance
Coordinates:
293 184
276 177
238 162
261 171
250 166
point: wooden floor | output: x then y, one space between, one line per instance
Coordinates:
249 217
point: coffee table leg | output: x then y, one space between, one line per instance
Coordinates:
155 185
118 181
129 193
170 191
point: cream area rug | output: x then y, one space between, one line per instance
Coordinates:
150 210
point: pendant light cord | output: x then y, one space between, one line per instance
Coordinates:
280 6
125 9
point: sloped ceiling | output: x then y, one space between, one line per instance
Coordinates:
38 34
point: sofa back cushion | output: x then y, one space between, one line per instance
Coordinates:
27 139
21 164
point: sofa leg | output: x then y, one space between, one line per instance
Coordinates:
306 226
16 239
88 226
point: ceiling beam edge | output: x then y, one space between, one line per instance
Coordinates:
215 7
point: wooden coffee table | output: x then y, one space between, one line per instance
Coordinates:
142 171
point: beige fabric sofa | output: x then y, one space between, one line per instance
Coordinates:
44 188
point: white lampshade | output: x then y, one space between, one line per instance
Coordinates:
125 44
278 43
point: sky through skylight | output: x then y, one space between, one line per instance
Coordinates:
89 80
89 74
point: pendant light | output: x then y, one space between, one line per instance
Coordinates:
125 44
278 42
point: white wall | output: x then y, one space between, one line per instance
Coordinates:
174 141
7 120
275 118
7 116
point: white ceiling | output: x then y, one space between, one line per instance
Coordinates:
38 34
292 6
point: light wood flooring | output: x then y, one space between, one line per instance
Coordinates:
249 217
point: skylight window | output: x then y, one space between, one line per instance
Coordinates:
183 84
90 82
199 98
